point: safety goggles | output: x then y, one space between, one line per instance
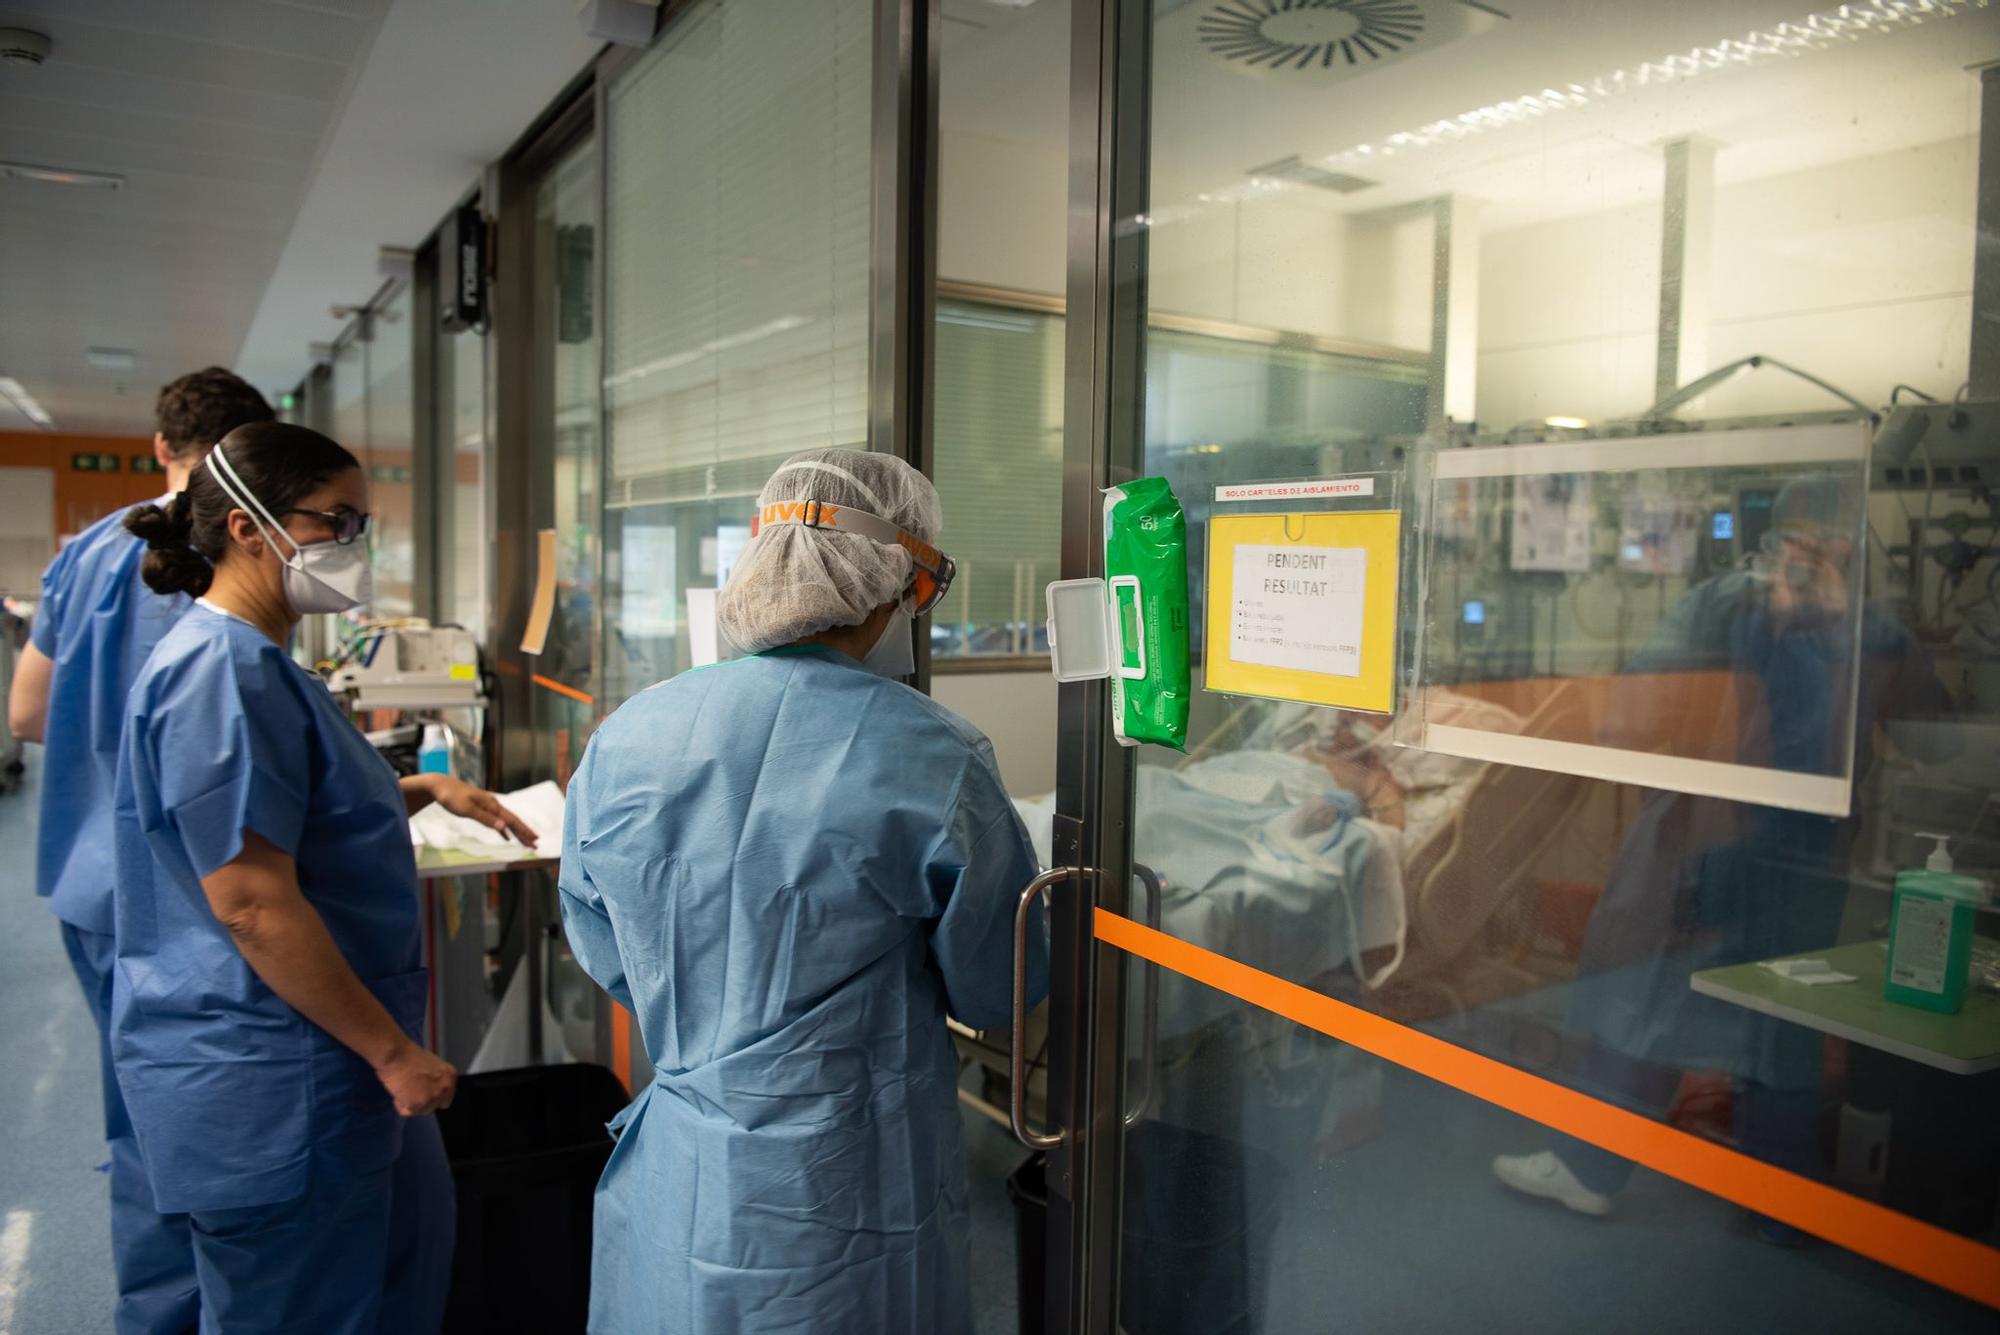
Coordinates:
934 570
347 525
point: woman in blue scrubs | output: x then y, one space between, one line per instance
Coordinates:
270 990
789 867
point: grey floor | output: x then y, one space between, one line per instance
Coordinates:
991 1154
1403 1232
55 1266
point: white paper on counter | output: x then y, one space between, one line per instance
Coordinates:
540 805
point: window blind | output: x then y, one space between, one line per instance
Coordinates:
998 466
738 247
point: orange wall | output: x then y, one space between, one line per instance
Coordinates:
83 498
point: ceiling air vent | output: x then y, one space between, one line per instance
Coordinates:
1333 36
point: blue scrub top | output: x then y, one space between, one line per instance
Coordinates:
234 1095
97 621
790 869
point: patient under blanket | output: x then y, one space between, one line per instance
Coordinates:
1265 859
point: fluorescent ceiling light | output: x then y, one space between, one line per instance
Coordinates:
1814 32
27 171
111 359
1567 423
10 389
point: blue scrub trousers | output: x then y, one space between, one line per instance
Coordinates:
151 1253
366 1254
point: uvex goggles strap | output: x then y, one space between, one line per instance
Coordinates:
934 570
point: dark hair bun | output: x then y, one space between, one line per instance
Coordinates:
172 565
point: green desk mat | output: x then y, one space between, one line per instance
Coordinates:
1972 1035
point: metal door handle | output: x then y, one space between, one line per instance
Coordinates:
1017 1100
1149 1043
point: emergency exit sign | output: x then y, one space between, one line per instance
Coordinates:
93 463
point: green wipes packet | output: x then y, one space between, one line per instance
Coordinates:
1146 578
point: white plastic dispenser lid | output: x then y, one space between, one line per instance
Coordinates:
1079 630
1940 858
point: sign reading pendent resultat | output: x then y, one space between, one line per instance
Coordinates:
1299 608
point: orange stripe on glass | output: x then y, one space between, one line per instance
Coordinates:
549 684
1945 1259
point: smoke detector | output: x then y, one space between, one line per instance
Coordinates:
24 46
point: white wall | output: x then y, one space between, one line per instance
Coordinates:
1017 710
1568 312
1002 211
1859 272
27 528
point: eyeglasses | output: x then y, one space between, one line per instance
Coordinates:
347 525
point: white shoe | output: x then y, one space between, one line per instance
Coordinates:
1545 1176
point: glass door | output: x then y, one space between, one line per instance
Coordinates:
1554 997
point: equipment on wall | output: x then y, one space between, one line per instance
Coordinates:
461 258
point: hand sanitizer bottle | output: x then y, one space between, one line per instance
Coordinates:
434 756
1930 933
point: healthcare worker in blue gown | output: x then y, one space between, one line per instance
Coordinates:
94 626
269 990
791 866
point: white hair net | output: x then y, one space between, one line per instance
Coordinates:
793 581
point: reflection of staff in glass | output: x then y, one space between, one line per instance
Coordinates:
1699 882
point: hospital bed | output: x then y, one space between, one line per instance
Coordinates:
1402 920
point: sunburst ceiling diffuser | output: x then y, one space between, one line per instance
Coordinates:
1306 34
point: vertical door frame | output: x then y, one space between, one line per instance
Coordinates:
520 507
430 448
1104 443
902 270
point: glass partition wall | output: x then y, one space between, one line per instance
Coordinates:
1649 321
738 224
391 418
363 397
462 466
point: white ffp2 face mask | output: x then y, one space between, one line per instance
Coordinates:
328 577
319 576
894 656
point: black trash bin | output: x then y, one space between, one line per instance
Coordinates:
526 1149
1201 1214
1028 1189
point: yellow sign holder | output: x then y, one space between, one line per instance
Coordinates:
1378 533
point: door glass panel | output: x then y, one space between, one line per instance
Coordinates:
566 407
391 431
999 439
739 228
1383 235
461 437
343 415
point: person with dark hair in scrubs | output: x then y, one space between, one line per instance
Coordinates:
270 989
94 626
788 867
1700 882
